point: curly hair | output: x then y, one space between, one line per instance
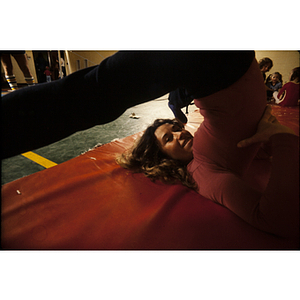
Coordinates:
146 157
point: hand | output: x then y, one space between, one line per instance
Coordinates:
267 126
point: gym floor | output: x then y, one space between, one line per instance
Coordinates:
28 163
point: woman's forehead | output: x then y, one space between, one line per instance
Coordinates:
163 129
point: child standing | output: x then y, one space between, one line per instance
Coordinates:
48 74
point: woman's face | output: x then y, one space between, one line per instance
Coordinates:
275 78
176 142
266 68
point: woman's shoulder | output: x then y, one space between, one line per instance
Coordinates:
287 84
292 84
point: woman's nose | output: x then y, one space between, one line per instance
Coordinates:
178 135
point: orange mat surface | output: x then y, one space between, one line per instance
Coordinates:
90 202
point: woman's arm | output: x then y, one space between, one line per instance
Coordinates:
267 127
268 88
276 210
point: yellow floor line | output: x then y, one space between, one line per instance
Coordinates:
39 159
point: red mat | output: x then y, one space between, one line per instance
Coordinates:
89 202
288 116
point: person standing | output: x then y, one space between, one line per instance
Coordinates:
21 59
48 74
63 68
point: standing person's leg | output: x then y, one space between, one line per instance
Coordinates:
21 59
8 70
7 64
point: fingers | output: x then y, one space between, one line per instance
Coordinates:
268 115
256 138
268 112
266 127
242 144
247 142
272 119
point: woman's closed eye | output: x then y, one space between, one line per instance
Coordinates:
169 138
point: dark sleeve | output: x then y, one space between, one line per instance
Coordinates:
36 116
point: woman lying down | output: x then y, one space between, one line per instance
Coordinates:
215 161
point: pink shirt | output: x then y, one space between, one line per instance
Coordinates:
221 169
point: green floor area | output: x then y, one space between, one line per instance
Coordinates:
19 166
